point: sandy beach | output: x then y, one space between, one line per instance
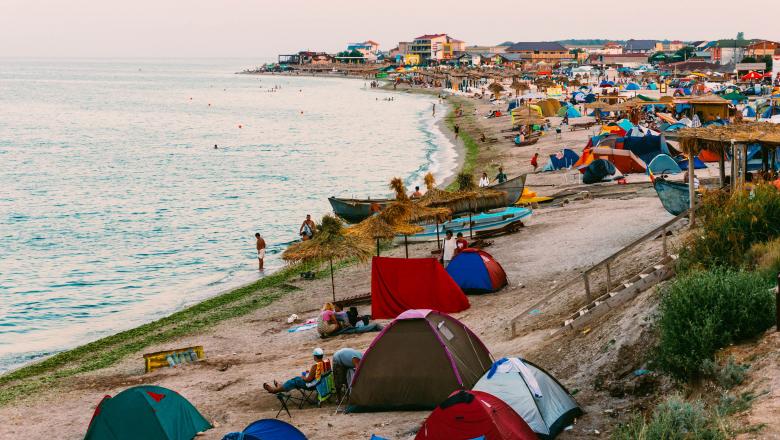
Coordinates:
558 242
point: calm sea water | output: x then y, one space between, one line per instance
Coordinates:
115 209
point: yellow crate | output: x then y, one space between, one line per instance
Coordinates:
157 360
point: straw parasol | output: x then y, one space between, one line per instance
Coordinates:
403 212
496 89
378 228
329 244
517 86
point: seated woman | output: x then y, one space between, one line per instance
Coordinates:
303 381
327 323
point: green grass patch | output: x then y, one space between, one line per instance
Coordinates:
674 419
111 349
704 311
470 144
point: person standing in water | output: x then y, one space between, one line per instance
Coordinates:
260 250
434 109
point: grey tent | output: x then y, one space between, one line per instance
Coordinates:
533 393
416 362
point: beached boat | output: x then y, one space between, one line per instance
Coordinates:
357 210
674 195
477 224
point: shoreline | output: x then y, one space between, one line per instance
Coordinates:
267 282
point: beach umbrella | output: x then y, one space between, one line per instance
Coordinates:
404 211
496 89
330 244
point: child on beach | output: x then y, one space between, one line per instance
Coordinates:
535 161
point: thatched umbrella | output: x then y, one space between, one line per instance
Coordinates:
404 211
329 244
496 89
377 227
517 86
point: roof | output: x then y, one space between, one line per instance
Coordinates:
537 45
429 36
732 43
370 42
511 56
506 44
640 44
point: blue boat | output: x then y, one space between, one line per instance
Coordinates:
477 224
674 195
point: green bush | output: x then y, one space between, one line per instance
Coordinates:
703 311
672 420
726 376
764 258
730 225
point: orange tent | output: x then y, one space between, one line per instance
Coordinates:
585 159
624 160
708 156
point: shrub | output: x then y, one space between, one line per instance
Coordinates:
704 311
730 225
672 420
726 376
764 258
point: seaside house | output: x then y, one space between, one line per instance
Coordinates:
645 47
534 52
485 49
761 48
728 51
669 46
434 48
632 60
309 57
611 48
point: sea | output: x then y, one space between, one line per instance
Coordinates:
117 209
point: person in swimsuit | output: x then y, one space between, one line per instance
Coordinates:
260 250
308 228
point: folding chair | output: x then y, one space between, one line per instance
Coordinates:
315 393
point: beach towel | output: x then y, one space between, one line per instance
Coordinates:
302 327
373 327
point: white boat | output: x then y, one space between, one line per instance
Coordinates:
477 224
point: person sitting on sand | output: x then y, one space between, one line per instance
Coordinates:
304 381
308 228
327 324
416 194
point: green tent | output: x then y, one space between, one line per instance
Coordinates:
146 412
735 96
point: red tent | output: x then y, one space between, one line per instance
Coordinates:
474 414
624 160
400 284
752 76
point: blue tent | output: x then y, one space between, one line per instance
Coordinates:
749 112
674 127
267 429
564 159
663 164
768 113
646 147
682 161
633 86
652 86
512 105
607 84
476 271
569 111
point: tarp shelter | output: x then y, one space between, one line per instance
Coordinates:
267 429
469 415
563 159
646 147
663 164
624 160
476 271
735 97
533 393
146 412
682 161
400 284
416 362
597 171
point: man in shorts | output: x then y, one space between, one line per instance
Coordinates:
260 250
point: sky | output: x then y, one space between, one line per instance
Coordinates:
262 28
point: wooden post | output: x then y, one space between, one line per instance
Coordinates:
438 241
377 246
743 164
691 188
471 227
587 285
777 304
733 166
722 165
406 245
665 249
609 278
332 283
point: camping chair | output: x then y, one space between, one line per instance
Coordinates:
315 393
349 374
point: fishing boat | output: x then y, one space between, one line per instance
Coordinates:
475 225
357 210
674 195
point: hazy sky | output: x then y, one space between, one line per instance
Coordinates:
260 28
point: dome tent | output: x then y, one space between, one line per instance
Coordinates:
533 393
468 415
267 429
476 271
147 412
416 362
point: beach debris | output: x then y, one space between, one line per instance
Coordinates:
173 358
292 318
641 372
535 312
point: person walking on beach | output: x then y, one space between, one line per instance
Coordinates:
308 228
260 250
501 177
484 181
434 110
535 161
457 130
448 252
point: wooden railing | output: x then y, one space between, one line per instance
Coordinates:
585 277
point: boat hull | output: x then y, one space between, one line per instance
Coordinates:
355 210
479 224
674 195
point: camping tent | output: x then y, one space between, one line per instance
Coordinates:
569 111
633 86
468 415
682 162
148 412
416 362
533 393
400 284
624 160
663 164
597 171
646 147
563 159
267 429
476 271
